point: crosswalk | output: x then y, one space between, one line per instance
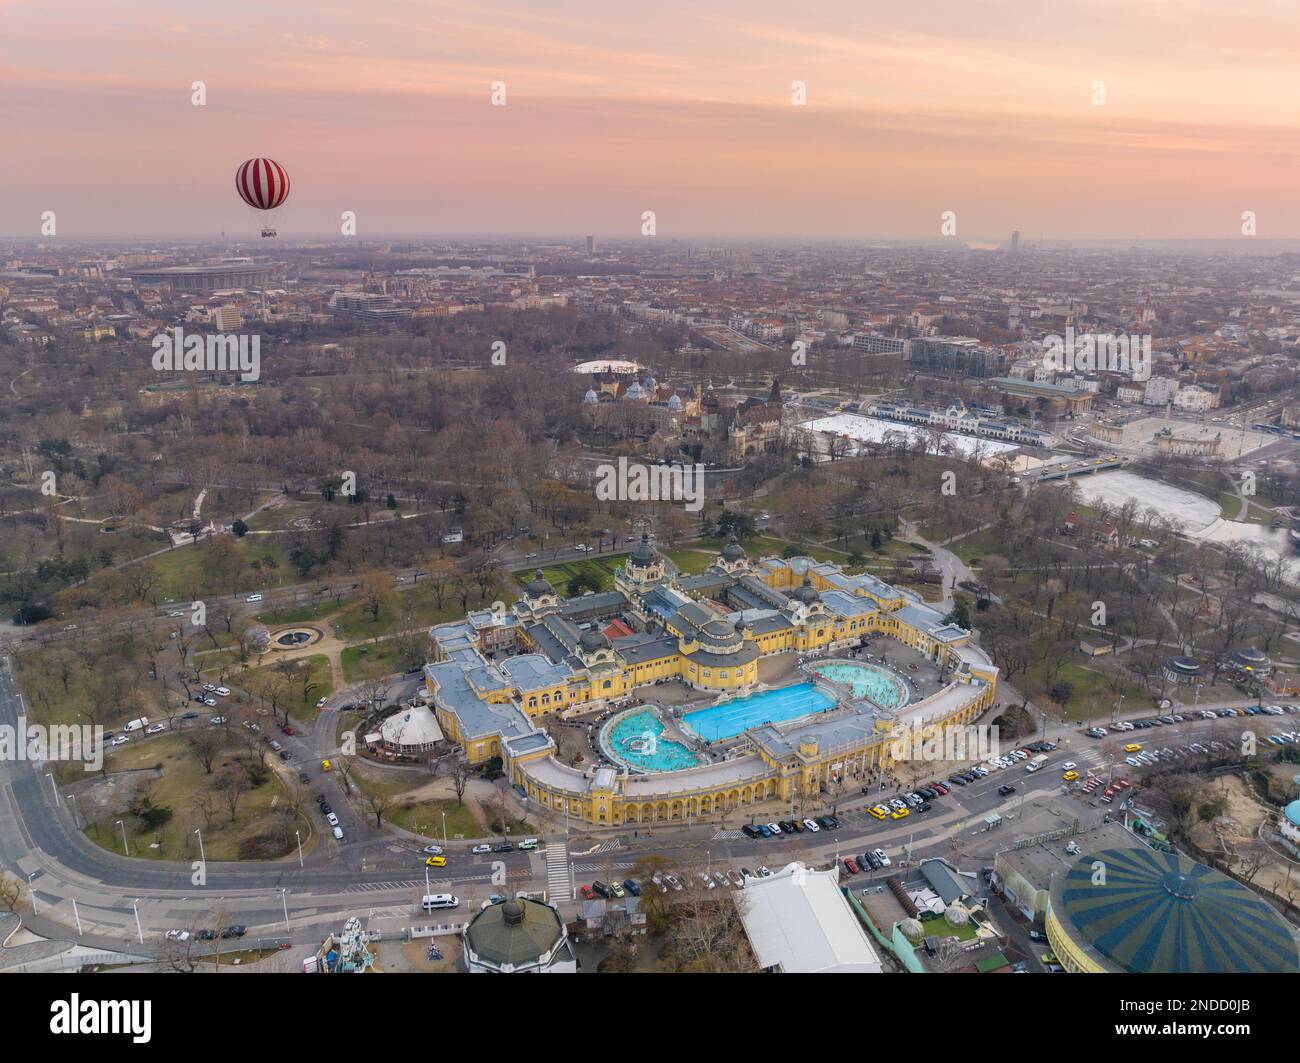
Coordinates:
379 887
596 867
557 871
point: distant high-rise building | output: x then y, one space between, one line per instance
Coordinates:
1015 239
591 245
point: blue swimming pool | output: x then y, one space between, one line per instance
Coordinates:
877 685
637 740
771 706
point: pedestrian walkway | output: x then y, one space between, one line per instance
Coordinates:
557 872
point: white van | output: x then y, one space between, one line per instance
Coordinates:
337 832
433 901
135 725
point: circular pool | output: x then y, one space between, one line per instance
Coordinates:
877 685
636 738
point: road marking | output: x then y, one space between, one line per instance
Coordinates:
557 871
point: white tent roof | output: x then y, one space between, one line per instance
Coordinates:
799 921
415 726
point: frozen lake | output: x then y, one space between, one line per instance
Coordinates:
1190 513
873 430
1194 515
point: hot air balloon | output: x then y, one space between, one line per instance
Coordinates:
264 185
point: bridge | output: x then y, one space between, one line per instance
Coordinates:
1081 467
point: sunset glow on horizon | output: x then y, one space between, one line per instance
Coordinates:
683 110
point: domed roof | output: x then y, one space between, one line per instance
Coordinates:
674 402
643 554
1187 665
807 593
593 639
517 931
1161 912
634 391
591 398
719 629
538 586
650 383
733 551
719 634
1292 813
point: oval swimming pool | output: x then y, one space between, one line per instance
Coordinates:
877 685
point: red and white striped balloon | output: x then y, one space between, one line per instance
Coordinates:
262 183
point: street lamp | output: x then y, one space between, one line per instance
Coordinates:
202 858
49 776
32 892
126 848
284 899
298 835
135 907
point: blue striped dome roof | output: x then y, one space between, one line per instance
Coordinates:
1161 912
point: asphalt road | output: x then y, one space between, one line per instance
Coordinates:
371 870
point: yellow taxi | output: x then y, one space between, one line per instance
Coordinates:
1070 776
436 861
878 812
325 765
899 813
1132 747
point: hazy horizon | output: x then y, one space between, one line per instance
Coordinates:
680 111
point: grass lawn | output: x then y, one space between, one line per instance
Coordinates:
1229 504
299 614
183 575
181 780
301 706
558 576
692 562
759 546
425 817
1092 698
218 661
407 609
375 659
974 547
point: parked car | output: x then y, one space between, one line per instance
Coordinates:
850 865
479 850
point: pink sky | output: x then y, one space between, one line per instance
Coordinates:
615 108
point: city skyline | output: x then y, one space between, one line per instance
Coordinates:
687 114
